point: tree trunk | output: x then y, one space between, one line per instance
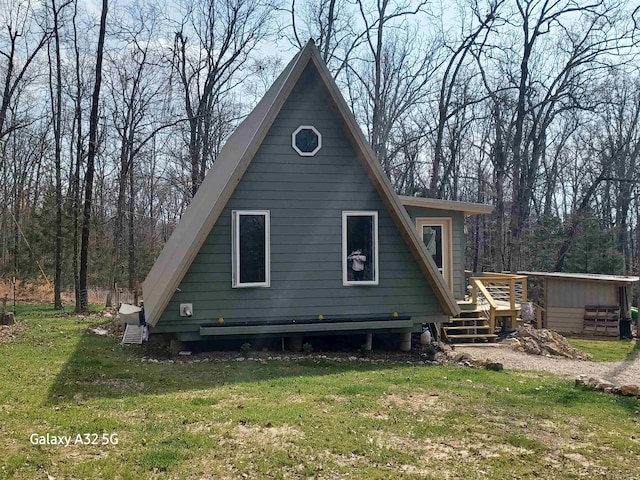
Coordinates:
93 140
75 205
132 237
57 124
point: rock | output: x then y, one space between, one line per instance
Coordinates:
545 342
630 390
604 385
600 385
462 357
184 353
99 331
530 346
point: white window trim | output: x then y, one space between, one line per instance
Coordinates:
447 242
295 147
376 276
235 248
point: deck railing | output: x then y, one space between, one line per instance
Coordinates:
499 294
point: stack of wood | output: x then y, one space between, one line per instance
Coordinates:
602 320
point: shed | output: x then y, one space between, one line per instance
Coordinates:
585 303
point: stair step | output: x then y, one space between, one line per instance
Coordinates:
488 336
467 319
467 327
471 310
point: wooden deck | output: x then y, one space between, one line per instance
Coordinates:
494 303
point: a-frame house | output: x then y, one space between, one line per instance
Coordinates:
296 230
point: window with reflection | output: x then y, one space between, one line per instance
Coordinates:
251 249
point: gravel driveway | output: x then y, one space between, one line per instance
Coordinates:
618 373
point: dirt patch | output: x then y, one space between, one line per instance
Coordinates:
9 332
414 402
277 437
296 399
84 452
114 383
112 328
374 415
199 427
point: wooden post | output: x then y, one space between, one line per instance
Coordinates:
492 320
474 294
405 342
512 293
369 341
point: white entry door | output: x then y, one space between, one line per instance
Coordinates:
436 235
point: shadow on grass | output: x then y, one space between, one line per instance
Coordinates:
634 354
632 360
100 368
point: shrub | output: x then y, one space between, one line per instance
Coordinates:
245 349
430 351
307 348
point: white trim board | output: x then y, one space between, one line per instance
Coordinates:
345 264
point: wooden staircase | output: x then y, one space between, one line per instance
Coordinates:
494 301
470 326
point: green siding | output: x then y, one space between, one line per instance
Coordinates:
457 227
306 197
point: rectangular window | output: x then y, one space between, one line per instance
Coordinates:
436 235
251 248
360 248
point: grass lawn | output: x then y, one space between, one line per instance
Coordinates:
297 419
607 350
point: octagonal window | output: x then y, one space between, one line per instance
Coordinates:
306 140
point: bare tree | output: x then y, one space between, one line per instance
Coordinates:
586 44
77 159
93 146
210 52
135 88
447 107
19 49
330 24
56 121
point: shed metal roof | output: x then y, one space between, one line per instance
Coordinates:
595 277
